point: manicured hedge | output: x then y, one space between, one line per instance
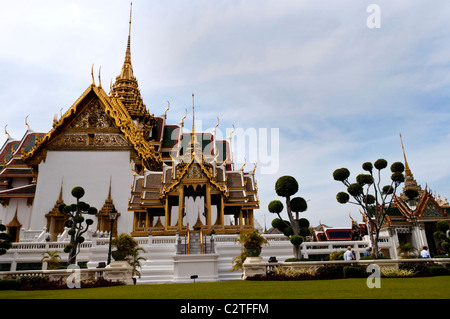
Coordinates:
355 272
43 283
438 271
9 284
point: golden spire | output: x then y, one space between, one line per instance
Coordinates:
109 192
60 198
126 87
127 69
407 170
193 115
128 53
193 136
410 182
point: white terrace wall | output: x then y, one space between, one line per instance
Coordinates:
160 254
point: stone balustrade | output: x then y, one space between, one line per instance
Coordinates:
119 271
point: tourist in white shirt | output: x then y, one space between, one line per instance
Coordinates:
348 255
424 253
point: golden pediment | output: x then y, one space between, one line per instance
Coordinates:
195 172
92 117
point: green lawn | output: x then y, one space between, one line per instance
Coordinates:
400 288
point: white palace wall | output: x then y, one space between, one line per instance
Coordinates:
92 170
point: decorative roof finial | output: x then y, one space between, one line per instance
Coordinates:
92 75
182 120
26 123
245 162
168 107
99 78
6 132
232 131
215 127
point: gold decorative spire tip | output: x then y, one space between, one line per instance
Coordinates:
99 77
407 170
92 75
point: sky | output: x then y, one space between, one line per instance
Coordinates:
310 86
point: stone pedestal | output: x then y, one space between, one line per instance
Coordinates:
119 271
205 266
253 266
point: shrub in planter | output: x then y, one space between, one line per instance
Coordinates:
119 255
354 272
30 282
252 242
124 245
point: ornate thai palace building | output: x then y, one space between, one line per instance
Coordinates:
157 176
414 220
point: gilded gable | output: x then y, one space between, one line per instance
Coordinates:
93 117
92 128
195 172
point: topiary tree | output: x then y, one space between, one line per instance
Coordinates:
369 196
443 236
296 229
75 222
5 240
